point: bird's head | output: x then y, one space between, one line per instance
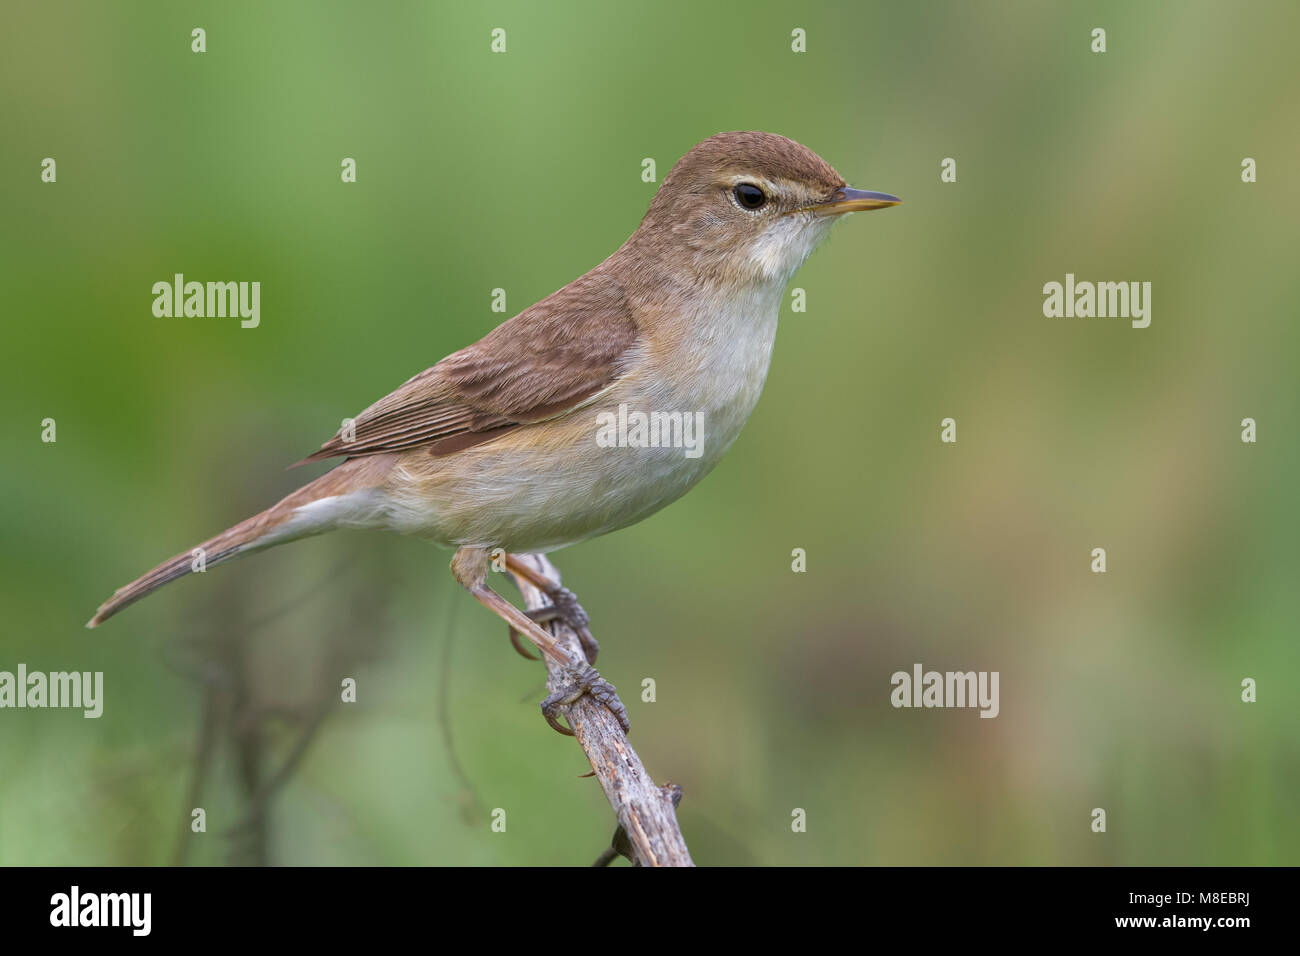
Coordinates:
748 207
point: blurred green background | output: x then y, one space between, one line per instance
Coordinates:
478 170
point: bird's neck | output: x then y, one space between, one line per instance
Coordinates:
689 284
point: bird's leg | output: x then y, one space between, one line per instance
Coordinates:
564 607
469 566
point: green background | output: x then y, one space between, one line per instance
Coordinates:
522 171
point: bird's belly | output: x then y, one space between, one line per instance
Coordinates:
539 489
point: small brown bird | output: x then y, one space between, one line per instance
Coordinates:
588 411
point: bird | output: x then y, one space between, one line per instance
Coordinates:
521 443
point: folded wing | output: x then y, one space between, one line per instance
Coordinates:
551 358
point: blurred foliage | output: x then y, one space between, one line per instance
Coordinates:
522 171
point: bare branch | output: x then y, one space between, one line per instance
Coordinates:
646 813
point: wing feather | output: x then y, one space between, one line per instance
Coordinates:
545 362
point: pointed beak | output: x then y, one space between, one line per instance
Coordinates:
854 200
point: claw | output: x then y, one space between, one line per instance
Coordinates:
515 638
558 727
588 641
564 607
584 680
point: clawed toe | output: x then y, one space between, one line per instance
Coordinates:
564 607
516 642
578 681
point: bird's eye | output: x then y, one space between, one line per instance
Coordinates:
749 196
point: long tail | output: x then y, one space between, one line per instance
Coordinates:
351 486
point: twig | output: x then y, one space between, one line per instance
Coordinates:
645 812
259 798
202 760
470 806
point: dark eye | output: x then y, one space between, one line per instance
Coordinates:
749 196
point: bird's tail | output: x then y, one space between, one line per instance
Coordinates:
289 520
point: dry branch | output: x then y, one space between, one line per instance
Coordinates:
646 813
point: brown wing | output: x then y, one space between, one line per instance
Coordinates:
544 362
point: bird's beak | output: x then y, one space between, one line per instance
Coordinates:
853 200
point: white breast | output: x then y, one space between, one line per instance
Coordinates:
728 352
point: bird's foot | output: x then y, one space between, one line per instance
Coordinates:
580 680
564 607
